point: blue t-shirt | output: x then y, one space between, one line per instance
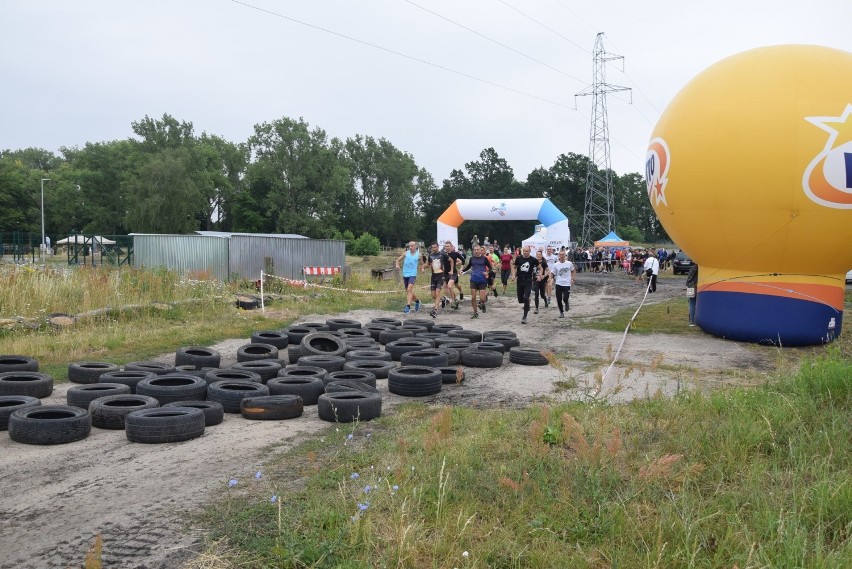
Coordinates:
478 269
410 263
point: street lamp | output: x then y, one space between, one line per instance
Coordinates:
42 246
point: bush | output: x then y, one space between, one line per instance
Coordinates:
347 236
366 245
630 233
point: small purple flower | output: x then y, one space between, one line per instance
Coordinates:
368 435
395 488
258 475
232 482
273 499
349 437
363 507
367 489
354 476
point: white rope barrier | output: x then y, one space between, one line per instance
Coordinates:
306 284
626 330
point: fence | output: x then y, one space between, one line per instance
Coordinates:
24 247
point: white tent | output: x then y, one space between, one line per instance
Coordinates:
536 242
79 239
103 240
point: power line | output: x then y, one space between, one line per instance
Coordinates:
492 40
549 29
401 54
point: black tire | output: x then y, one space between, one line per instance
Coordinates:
507 341
427 357
213 411
323 344
314 326
351 375
81 395
346 385
164 425
452 375
414 381
278 338
294 352
328 363
340 323
399 347
231 393
376 329
346 407
17 363
313 372
486 345
455 343
266 369
481 358
250 352
527 357
433 337
89 372
365 355
30 383
488 334
49 425
308 388
471 335
453 355
272 407
192 370
130 378
444 328
173 387
387 336
352 333
246 302
158 368
427 323
109 412
387 321
362 344
11 403
377 367
232 374
197 356
296 333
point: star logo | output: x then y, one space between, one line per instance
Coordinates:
657 171
828 178
500 210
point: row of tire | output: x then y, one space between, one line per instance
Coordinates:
336 367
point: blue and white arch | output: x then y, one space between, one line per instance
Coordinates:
542 209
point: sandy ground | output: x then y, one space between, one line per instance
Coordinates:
56 499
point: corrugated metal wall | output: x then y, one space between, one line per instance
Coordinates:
243 256
283 256
182 253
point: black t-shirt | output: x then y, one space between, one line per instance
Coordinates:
525 268
454 256
438 262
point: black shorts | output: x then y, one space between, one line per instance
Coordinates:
504 276
478 285
437 281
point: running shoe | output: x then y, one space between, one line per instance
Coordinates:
456 305
407 309
416 305
434 313
476 315
495 293
535 311
481 306
562 315
461 296
444 302
546 301
524 320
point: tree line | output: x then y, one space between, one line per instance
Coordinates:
288 177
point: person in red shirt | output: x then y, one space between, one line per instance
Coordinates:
506 267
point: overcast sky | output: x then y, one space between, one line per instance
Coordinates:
82 71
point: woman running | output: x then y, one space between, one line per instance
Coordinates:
478 266
540 283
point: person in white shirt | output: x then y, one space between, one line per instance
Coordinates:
563 272
652 269
551 257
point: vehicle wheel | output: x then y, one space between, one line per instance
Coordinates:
129 378
164 425
340 323
427 357
348 386
493 346
231 393
452 375
346 407
232 375
323 344
313 372
414 381
387 336
213 412
427 323
351 375
377 367
173 387
30 383
17 363
109 412
471 335
527 357
328 363
49 425
364 355
453 355
11 403
81 395
158 368
278 338
250 352
272 407
197 356
399 347
481 358
308 388
266 369
89 372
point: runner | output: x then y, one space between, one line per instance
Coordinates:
493 261
451 271
505 267
551 257
461 259
478 266
411 261
523 271
563 272
541 280
437 261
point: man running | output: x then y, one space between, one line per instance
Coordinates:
551 257
479 266
563 272
452 273
523 271
411 261
437 261
461 259
541 280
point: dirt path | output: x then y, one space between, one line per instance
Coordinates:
56 499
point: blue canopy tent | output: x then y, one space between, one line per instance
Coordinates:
613 241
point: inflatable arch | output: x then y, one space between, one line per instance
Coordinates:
542 209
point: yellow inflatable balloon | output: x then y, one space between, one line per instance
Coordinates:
750 171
